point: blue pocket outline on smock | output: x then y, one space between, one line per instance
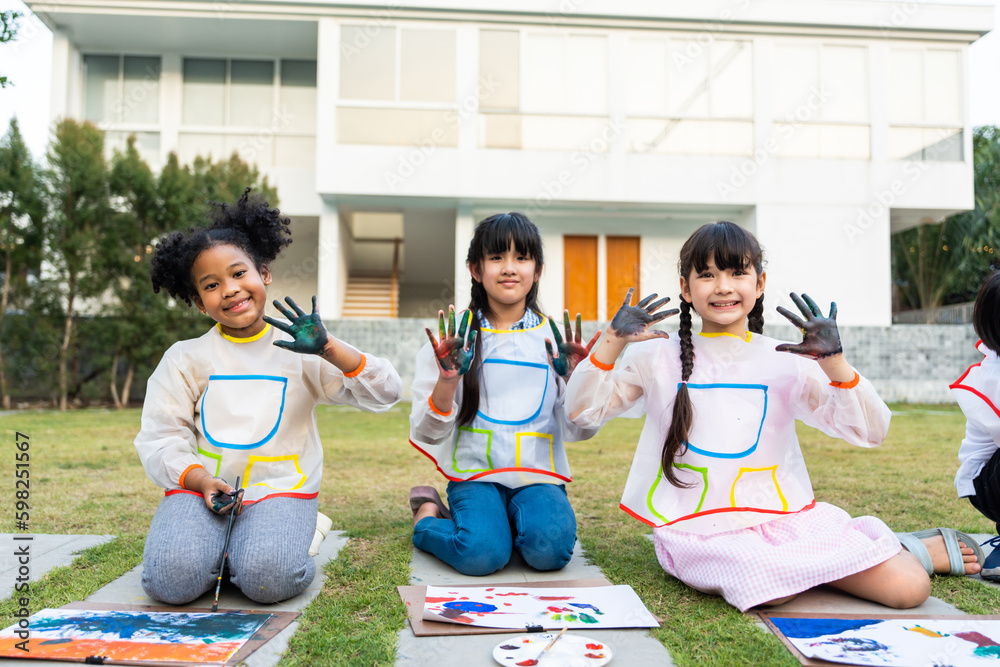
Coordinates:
734 455
545 390
281 410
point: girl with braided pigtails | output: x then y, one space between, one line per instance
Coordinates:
718 471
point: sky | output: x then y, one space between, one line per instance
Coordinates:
27 62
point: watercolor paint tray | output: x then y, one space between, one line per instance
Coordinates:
413 599
274 624
826 624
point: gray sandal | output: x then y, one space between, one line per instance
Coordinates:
911 542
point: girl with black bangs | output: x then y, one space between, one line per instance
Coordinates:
718 471
487 408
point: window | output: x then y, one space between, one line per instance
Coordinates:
820 101
543 90
689 97
264 110
925 104
397 86
122 96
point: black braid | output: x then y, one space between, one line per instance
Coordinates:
675 443
755 320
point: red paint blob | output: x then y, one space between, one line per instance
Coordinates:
440 599
526 663
507 604
506 594
595 655
594 647
555 597
490 589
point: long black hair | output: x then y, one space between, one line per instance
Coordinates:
494 235
732 247
250 224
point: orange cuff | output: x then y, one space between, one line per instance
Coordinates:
357 371
602 366
848 385
434 408
187 470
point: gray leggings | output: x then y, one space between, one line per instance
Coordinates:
268 549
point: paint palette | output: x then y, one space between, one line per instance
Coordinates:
569 651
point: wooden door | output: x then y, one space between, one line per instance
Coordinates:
580 276
623 271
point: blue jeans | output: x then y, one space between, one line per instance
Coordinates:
489 520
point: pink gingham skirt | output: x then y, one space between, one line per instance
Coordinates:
786 556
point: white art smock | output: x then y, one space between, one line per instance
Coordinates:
244 407
516 438
975 392
743 460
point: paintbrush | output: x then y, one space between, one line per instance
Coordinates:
546 649
225 548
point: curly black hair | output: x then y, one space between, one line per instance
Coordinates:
250 224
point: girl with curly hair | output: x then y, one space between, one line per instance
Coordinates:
239 401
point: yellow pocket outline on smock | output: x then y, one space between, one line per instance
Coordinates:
544 436
294 458
774 476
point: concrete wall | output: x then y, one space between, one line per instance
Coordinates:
909 363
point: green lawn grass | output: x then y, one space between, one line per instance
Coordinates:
86 478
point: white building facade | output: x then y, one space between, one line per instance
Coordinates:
617 126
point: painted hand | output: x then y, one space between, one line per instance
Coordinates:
570 352
632 322
821 338
308 331
454 353
223 498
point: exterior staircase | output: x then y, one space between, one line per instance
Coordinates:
370 296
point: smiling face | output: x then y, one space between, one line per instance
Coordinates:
230 289
507 278
723 297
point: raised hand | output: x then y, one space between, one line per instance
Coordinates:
454 353
632 322
821 338
570 352
307 329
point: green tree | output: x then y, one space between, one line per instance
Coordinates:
225 180
944 262
8 31
80 215
21 219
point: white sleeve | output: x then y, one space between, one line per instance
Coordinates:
571 432
374 386
856 414
595 396
428 425
167 442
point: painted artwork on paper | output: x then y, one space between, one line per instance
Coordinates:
133 636
955 642
522 607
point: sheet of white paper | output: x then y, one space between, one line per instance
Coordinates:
521 607
888 642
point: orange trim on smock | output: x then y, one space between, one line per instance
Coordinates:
847 385
434 408
357 371
187 470
599 364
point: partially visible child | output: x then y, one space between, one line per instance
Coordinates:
718 471
240 401
978 394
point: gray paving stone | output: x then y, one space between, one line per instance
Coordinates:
45 552
628 646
